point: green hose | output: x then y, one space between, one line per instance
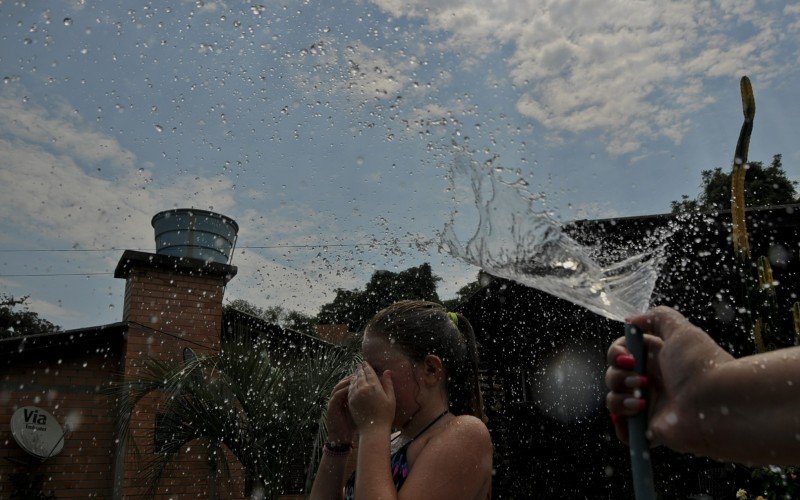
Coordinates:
641 465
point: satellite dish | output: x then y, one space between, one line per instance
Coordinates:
37 432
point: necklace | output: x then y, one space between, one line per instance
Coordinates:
397 441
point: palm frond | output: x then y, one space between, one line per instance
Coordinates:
268 411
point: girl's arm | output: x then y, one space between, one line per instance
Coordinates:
329 479
373 474
330 473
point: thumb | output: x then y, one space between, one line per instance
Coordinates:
660 321
388 385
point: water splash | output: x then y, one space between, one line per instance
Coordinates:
518 239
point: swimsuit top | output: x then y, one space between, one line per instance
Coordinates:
398 464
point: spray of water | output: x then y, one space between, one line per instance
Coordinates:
518 239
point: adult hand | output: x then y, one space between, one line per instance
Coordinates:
371 399
341 427
681 357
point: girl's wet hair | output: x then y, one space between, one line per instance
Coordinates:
419 328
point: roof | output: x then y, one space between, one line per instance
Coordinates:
65 338
789 208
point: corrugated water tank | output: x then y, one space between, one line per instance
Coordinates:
197 234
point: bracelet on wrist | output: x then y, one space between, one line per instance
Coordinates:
336 450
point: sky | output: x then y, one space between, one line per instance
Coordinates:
327 129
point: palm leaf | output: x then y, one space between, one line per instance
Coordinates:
254 403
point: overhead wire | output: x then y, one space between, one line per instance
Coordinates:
178 337
251 247
52 274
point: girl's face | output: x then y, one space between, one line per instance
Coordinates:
382 355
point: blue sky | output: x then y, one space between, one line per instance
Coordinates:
315 123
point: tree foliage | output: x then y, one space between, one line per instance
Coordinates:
355 307
764 186
21 322
294 320
463 294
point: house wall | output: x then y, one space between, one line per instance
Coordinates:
71 384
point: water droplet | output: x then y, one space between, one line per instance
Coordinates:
159 128
360 161
67 21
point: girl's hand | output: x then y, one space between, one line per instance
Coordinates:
341 427
371 400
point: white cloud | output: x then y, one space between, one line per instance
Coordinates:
52 193
55 313
632 70
356 70
48 179
60 129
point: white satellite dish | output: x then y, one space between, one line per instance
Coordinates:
37 432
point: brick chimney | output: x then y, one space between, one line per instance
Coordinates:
170 303
171 300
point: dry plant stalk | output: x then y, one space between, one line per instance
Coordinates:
796 315
757 333
741 243
765 279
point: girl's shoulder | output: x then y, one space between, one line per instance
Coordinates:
468 427
464 432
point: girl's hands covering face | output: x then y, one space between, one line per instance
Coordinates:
371 399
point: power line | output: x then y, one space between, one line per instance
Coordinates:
55 274
253 247
178 337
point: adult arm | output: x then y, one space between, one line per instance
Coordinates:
703 401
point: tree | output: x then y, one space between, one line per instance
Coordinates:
764 186
355 307
271 314
463 293
25 322
294 320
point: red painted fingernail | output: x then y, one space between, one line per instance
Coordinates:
644 381
625 361
614 418
637 404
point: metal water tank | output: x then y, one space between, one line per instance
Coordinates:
197 234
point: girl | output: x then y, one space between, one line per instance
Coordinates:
420 377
